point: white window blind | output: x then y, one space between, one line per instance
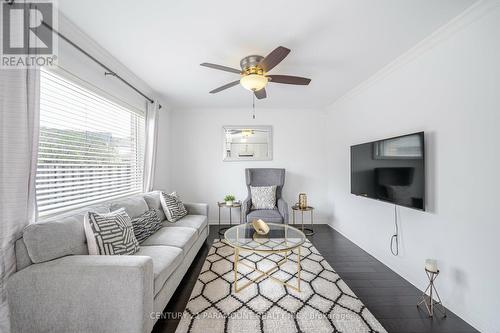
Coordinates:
91 148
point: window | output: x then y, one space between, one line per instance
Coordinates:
91 149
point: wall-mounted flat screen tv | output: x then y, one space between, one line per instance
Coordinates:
391 170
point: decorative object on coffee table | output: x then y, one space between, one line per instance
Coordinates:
428 300
281 240
306 231
235 205
229 199
260 227
302 200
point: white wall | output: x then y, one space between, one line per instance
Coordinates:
448 86
163 168
76 63
199 174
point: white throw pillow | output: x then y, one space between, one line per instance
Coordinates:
263 197
172 206
110 233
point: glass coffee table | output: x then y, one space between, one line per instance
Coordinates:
281 239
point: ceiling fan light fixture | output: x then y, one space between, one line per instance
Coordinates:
254 82
254 73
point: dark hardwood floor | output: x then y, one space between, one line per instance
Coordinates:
390 298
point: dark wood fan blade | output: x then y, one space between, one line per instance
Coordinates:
220 67
287 79
229 85
260 94
274 58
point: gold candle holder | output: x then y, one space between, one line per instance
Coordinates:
302 200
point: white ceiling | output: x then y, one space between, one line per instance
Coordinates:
336 43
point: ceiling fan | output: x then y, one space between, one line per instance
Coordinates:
254 69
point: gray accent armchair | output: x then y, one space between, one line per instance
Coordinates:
265 177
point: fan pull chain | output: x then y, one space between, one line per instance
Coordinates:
253 105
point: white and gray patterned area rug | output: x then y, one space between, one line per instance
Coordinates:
324 304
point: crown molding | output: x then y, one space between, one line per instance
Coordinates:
470 15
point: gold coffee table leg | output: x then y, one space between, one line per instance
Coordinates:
298 269
266 273
236 259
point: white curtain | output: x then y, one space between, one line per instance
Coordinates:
152 114
19 127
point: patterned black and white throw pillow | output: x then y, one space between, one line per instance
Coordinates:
172 206
146 225
263 197
110 233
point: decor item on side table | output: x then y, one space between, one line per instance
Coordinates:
297 207
428 300
302 200
236 205
260 177
229 199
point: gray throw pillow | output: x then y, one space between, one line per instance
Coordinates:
172 206
263 197
146 225
110 233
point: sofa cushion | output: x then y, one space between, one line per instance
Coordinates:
180 237
58 237
268 215
134 206
165 260
198 222
153 201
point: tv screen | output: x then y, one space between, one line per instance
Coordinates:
391 170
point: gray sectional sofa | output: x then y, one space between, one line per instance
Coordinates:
58 287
